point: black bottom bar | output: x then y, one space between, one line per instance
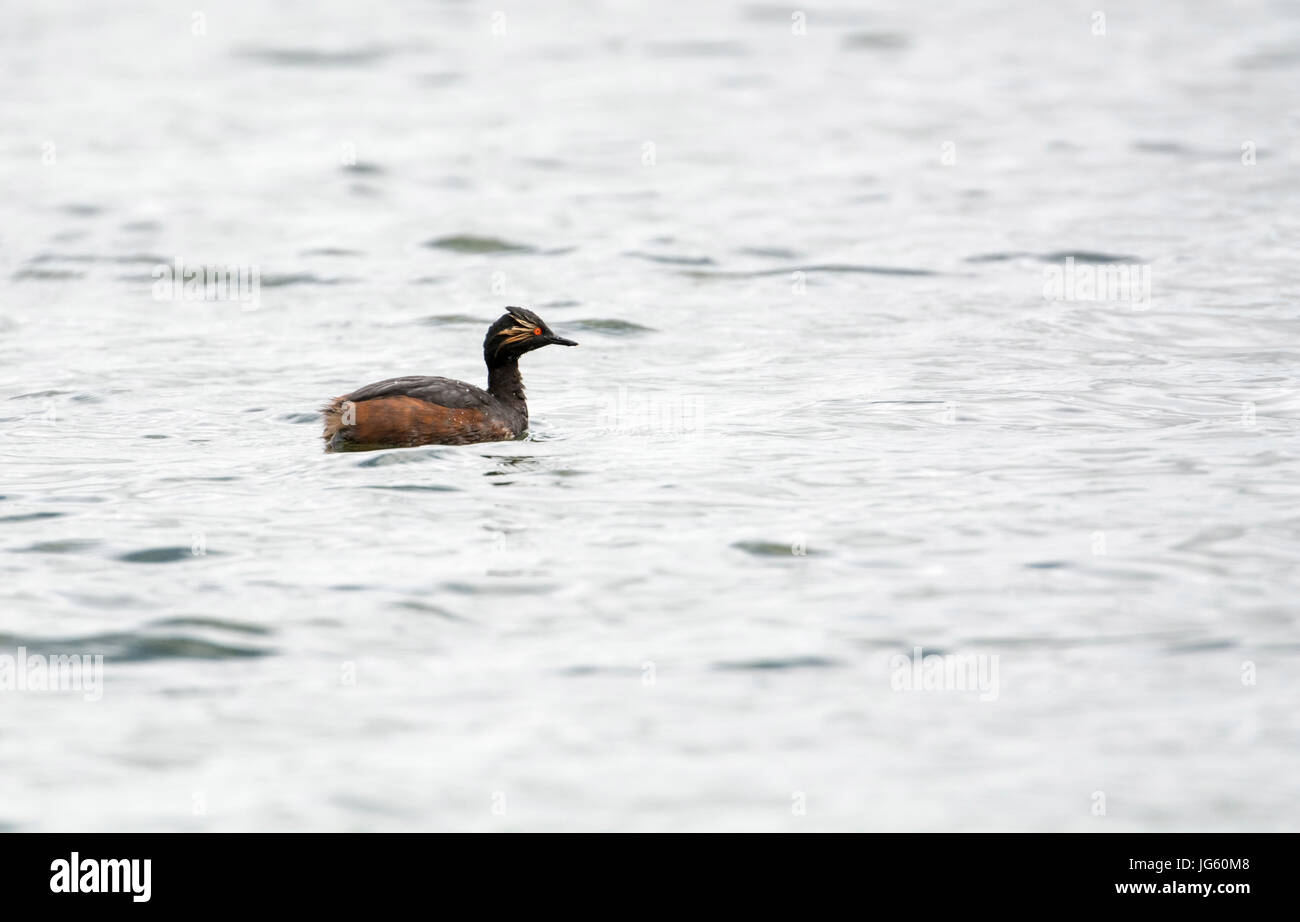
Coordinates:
237 871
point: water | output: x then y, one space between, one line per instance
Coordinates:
822 415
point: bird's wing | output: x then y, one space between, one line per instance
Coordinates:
443 391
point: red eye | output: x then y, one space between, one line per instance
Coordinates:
537 331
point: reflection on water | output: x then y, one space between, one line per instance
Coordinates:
825 416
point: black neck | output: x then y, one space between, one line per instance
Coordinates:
505 384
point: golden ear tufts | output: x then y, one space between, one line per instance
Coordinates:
514 335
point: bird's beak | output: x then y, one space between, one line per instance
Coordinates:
561 341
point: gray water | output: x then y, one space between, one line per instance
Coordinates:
824 413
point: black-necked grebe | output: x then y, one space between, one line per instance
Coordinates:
439 411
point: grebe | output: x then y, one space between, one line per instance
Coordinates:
417 410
